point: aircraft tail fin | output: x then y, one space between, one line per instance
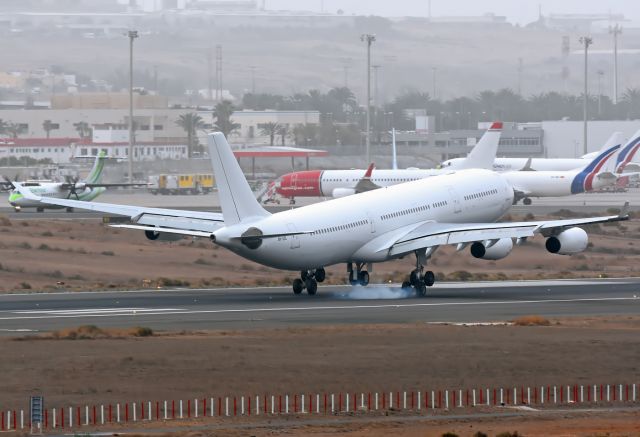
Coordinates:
601 166
237 201
484 153
628 152
95 175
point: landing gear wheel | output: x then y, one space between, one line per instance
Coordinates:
363 278
69 209
292 202
421 290
40 209
298 286
414 277
429 278
406 285
312 286
320 275
526 201
304 274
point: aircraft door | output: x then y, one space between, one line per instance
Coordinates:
457 208
295 239
372 223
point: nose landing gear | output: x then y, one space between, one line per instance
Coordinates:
309 280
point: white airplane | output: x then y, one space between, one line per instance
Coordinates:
340 183
593 175
412 218
558 164
87 189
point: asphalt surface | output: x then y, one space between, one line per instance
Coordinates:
251 308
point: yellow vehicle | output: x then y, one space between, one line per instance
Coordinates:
181 183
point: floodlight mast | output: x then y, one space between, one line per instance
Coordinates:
369 39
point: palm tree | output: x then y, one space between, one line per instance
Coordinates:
222 116
83 129
283 131
270 129
191 122
631 99
14 130
48 126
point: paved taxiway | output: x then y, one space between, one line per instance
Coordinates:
244 308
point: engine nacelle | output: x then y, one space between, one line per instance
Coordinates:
162 236
569 242
343 192
501 249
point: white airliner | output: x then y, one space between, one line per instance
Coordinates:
340 183
416 217
87 189
558 164
595 174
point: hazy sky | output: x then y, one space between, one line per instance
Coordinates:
520 11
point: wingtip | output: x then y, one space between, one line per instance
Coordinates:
26 193
496 125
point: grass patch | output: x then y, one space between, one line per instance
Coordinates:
4 221
172 282
531 321
107 253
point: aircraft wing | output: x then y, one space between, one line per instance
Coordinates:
432 234
184 220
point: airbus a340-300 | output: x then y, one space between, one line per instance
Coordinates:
416 217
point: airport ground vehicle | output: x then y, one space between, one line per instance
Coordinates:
195 183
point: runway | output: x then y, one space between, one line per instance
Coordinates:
277 307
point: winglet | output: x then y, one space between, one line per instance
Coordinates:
369 170
496 125
624 212
527 165
26 193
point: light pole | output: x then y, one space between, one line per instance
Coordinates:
615 31
434 70
369 39
600 74
253 79
586 41
133 34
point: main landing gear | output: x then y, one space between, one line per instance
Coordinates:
308 280
358 276
418 278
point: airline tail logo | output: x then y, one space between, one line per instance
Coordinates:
627 153
584 180
95 175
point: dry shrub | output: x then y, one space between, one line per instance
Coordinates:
4 221
531 321
92 332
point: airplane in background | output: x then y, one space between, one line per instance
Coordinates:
340 183
87 189
459 208
593 175
559 164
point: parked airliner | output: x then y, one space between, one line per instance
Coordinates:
458 208
87 189
593 175
559 164
340 183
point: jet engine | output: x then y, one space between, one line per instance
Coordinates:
499 250
162 236
569 242
343 192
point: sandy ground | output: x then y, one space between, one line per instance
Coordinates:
84 254
361 358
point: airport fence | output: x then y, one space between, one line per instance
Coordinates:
417 402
